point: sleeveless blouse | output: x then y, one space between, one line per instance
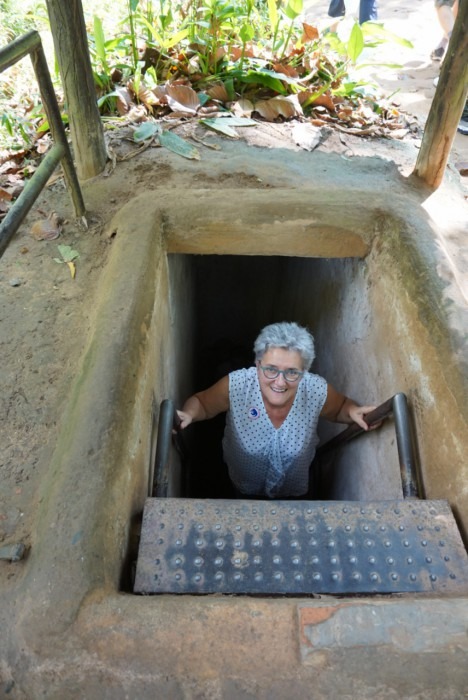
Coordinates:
264 460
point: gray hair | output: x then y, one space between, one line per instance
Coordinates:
288 336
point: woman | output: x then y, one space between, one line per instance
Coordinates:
272 414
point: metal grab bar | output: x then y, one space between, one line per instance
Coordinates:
409 470
167 423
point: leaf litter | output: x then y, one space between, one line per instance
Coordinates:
313 84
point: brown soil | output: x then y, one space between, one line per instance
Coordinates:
45 314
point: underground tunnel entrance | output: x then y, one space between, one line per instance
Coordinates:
227 300
365 538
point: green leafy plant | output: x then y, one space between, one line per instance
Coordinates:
68 257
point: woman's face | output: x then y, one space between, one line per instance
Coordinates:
278 392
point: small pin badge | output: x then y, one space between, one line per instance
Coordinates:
254 413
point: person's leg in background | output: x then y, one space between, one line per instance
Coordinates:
367 11
446 12
336 9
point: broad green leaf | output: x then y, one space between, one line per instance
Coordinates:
203 98
159 40
221 126
272 13
232 121
378 30
156 36
109 96
293 9
175 39
246 33
355 43
67 253
177 145
134 4
393 66
241 121
229 85
6 122
112 44
100 42
264 78
45 125
146 131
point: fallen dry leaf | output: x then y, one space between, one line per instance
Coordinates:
218 92
242 108
309 33
72 268
326 101
275 107
124 100
5 194
137 114
287 70
47 229
182 98
142 93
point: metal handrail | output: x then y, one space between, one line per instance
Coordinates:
168 422
409 469
31 43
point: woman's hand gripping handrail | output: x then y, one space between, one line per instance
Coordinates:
398 405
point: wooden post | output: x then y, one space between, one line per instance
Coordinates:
71 48
447 105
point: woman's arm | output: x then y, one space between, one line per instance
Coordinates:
338 408
206 404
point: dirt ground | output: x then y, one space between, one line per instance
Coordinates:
45 314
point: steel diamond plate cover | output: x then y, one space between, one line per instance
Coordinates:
299 547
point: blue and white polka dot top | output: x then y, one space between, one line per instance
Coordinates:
264 460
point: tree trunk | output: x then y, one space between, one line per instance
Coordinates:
71 48
447 105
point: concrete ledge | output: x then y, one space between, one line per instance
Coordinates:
410 626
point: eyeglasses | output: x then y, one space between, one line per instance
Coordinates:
291 375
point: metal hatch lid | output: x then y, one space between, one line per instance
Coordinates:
199 546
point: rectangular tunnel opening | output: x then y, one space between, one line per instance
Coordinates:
228 299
